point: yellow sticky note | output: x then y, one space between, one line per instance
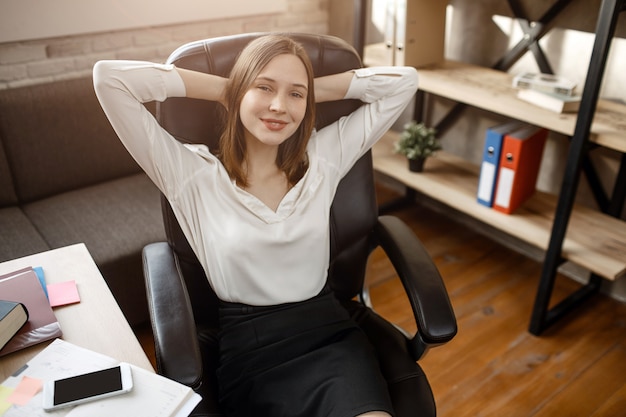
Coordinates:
5 392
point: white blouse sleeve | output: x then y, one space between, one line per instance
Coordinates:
386 91
122 87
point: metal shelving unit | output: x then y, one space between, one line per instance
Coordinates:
582 140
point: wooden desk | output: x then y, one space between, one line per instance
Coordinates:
96 323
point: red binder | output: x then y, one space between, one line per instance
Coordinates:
520 159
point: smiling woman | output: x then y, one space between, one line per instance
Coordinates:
71 17
271 112
265 196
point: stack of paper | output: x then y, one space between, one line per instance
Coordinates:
152 395
558 103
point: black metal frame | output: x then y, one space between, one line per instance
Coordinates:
577 161
543 316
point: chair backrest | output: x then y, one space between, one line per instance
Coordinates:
354 210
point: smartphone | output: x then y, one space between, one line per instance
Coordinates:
87 387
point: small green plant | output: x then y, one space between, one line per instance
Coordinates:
417 141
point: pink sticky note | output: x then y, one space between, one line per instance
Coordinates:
25 390
63 293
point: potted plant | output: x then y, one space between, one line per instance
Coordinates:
417 142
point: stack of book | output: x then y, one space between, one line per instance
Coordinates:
29 318
548 91
511 159
13 315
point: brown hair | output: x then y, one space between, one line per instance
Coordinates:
254 57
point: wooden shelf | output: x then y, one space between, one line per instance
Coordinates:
492 90
595 241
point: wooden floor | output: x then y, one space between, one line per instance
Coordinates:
494 367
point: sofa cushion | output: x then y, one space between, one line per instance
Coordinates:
57 138
7 191
115 220
18 237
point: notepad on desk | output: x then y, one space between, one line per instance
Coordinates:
152 394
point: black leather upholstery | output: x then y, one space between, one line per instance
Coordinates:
183 307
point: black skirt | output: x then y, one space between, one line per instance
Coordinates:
306 359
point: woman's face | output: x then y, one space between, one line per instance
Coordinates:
275 104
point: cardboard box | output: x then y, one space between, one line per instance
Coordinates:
414 34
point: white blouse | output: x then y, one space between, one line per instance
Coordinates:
250 253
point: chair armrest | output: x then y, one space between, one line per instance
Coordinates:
175 338
422 282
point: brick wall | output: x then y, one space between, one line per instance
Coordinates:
44 60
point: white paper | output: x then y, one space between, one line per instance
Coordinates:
58 360
188 407
152 395
486 181
505 187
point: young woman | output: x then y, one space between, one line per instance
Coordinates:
257 216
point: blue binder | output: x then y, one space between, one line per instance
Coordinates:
491 160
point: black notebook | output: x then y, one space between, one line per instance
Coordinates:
23 286
13 315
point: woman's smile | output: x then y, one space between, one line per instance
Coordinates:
274 125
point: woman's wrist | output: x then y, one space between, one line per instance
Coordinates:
203 86
332 87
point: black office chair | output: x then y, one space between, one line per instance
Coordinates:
183 308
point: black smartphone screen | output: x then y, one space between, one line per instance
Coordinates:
87 385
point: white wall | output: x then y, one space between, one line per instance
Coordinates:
35 61
36 19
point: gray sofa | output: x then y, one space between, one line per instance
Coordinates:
65 178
